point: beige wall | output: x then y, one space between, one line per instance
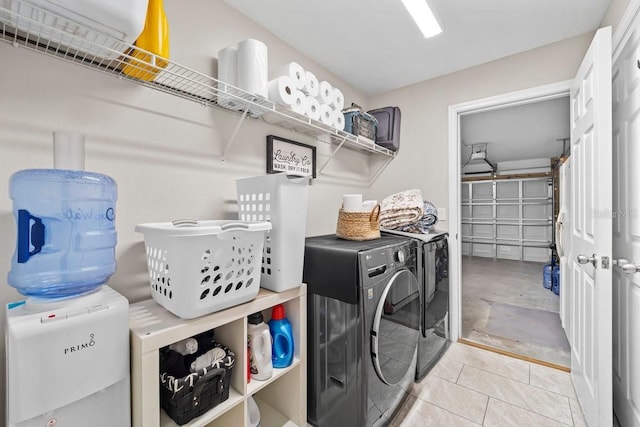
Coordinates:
164 152
614 14
423 158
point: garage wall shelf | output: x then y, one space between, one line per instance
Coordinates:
507 218
25 25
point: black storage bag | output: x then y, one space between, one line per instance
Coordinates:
388 129
187 397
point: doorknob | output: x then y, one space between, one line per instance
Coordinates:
620 262
583 259
630 268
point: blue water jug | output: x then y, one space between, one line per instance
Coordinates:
555 287
547 279
282 338
66 233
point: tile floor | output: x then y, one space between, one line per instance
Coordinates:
472 387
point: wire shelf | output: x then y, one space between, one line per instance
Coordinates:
25 25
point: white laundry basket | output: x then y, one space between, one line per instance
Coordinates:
281 199
200 267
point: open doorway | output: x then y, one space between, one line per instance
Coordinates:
508 205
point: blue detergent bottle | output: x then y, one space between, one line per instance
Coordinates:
282 336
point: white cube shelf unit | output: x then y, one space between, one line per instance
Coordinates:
282 399
507 218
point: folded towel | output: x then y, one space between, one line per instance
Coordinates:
403 208
424 224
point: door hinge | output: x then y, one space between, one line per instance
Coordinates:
605 262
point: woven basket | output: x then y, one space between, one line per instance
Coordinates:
359 225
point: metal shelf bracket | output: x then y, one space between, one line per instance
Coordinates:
333 154
233 135
382 168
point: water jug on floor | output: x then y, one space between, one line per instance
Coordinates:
547 279
555 279
65 219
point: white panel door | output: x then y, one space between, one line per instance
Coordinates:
626 230
590 272
563 228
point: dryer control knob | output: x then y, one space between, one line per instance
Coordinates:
400 256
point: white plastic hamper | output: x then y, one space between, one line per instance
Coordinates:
200 267
281 199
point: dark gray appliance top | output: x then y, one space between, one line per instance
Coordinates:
331 265
433 235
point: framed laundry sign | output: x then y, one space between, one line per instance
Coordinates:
285 155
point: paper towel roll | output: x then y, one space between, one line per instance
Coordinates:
311 84
281 91
227 58
296 72
253 67
312 108
338 99
326 114
338 120
299 104
325 95
227 73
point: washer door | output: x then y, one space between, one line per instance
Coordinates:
395 330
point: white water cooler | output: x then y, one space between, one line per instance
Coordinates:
67 361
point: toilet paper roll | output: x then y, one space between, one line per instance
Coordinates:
299 104
281 91
326 114
312 108
252 72
227 60
325 94
368 205
337 101
352 202
338 120
295 72
311 84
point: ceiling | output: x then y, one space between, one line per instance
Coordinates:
529 131
376 47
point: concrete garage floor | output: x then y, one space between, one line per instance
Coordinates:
505 306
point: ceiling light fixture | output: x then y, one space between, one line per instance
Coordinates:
421 13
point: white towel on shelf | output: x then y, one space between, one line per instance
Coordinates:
403 208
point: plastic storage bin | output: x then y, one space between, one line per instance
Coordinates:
66 231
282 200
359 123
99 28
200 267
